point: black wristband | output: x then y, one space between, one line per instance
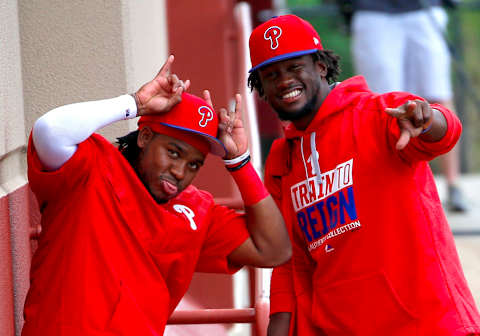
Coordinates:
244 162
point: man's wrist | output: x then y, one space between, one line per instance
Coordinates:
127 105
249 183
137 102
238 162
437 129
428 125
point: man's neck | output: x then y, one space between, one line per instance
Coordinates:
303 123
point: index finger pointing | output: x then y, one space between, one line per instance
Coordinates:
207 97
238 106
165 69
394 112
403 140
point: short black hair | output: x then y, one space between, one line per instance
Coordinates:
127 145
327 57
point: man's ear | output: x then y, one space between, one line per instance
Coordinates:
321 68
145 135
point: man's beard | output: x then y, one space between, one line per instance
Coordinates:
157 199
307 109
141 177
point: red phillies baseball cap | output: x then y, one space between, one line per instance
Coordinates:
280 38
192 120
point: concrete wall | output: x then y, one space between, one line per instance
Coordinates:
83 50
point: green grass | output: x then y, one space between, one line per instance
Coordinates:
470 30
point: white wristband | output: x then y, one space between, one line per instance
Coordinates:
238 159
131 107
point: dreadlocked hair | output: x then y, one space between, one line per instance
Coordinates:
327 57
127 145
332 61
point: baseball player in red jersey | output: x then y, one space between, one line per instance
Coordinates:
372 251
123 230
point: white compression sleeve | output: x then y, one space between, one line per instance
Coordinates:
58 132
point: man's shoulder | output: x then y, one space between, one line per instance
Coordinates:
102 145
195 196
278 160
101 141
278 150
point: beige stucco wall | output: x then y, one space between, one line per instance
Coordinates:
83 50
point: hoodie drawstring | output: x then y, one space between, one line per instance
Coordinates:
316 166
314 158
305 164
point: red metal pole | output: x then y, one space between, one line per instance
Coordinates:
6 286
207 316
262 308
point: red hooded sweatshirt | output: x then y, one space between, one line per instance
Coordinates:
373 253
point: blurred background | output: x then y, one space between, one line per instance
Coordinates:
55 52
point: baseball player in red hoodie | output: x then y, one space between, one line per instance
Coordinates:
372 250
123 230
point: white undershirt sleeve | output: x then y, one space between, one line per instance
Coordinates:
58 132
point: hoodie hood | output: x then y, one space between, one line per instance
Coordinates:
335 102
343 94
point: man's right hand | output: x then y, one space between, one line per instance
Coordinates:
161 93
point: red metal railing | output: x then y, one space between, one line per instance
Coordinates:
257 315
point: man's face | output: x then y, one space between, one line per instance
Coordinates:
292 87
166 165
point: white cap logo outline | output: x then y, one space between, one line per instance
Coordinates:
207 115
272 34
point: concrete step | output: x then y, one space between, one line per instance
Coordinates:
464 223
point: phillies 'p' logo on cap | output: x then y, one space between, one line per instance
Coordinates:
272 34
192 120
207 115
280 38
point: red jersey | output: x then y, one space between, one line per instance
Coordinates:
373 253
110 260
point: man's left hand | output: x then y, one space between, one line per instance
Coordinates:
230 128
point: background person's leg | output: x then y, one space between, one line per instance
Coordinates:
428 75
377 50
